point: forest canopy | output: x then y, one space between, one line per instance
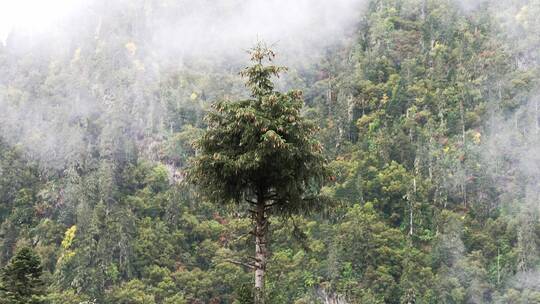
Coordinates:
396 160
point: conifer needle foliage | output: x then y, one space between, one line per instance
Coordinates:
261 153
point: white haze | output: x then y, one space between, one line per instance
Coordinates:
512 147
298 28
152 37
201 28
36 16
175 33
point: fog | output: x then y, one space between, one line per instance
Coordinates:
296 28
34 16
75 51
188 28
511 148
84 79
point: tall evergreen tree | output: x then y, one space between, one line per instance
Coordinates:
260 153
21 279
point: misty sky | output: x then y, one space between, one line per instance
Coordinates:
173 33
206 25
34 15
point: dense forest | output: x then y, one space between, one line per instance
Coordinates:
399 152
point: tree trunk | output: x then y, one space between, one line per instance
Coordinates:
261 251
464 181
536 112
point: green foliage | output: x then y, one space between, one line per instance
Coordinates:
22 280
262 152
428 118
260 146
131 292
371 253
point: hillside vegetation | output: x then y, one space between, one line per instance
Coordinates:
407 171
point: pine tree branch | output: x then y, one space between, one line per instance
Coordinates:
269 206
250 202
250 266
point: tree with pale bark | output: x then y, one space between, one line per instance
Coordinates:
261 154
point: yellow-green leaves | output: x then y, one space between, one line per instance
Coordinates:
69 236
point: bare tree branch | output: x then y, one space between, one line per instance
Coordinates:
250 266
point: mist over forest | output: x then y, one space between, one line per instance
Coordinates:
301 151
